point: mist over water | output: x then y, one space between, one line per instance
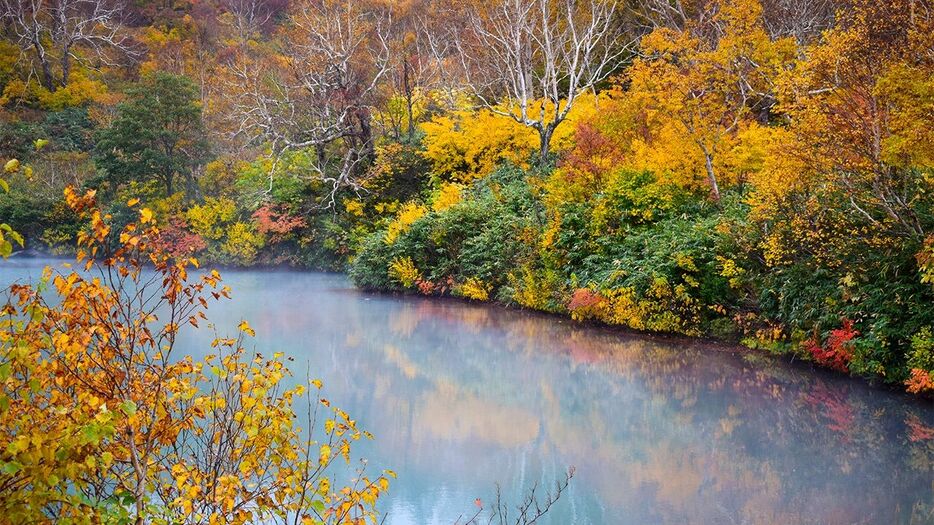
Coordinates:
462 397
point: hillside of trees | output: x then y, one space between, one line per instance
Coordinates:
755 171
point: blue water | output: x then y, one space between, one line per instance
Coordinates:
462 397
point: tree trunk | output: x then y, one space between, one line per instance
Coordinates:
66 65
191 184
167 178
366 136
47 79
407 88
711 175
140 479
544 137
322 155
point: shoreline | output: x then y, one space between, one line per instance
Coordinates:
706 343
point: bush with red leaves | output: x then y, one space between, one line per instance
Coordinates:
586 303
176 239
837 351
275 223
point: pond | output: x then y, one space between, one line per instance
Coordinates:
464 397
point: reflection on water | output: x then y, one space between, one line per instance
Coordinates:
462 397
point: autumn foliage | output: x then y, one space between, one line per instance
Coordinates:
103 419
735 179
835 352
752 170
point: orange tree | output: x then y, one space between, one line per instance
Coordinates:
101 419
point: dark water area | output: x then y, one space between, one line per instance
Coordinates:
464 396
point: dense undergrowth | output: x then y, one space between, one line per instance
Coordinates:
692 268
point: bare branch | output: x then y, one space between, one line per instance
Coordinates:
63 31
531 60
318 89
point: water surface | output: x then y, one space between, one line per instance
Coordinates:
462 397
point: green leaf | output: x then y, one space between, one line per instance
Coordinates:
127 498
11 467
129 407
90 434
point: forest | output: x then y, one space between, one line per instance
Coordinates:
749 171
757 172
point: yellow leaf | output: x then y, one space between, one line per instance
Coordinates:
325 454
245 328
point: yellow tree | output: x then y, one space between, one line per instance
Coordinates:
857 107
860 105
707 85
101 419
848 185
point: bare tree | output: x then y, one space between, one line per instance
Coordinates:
530 60
415 75
802 19
697 16
55 30
442 62
317 89
661 13
250 17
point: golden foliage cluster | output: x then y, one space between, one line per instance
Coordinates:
102 419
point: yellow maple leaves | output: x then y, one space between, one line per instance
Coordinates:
474 288
448 195
468 145
465 145
229 239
